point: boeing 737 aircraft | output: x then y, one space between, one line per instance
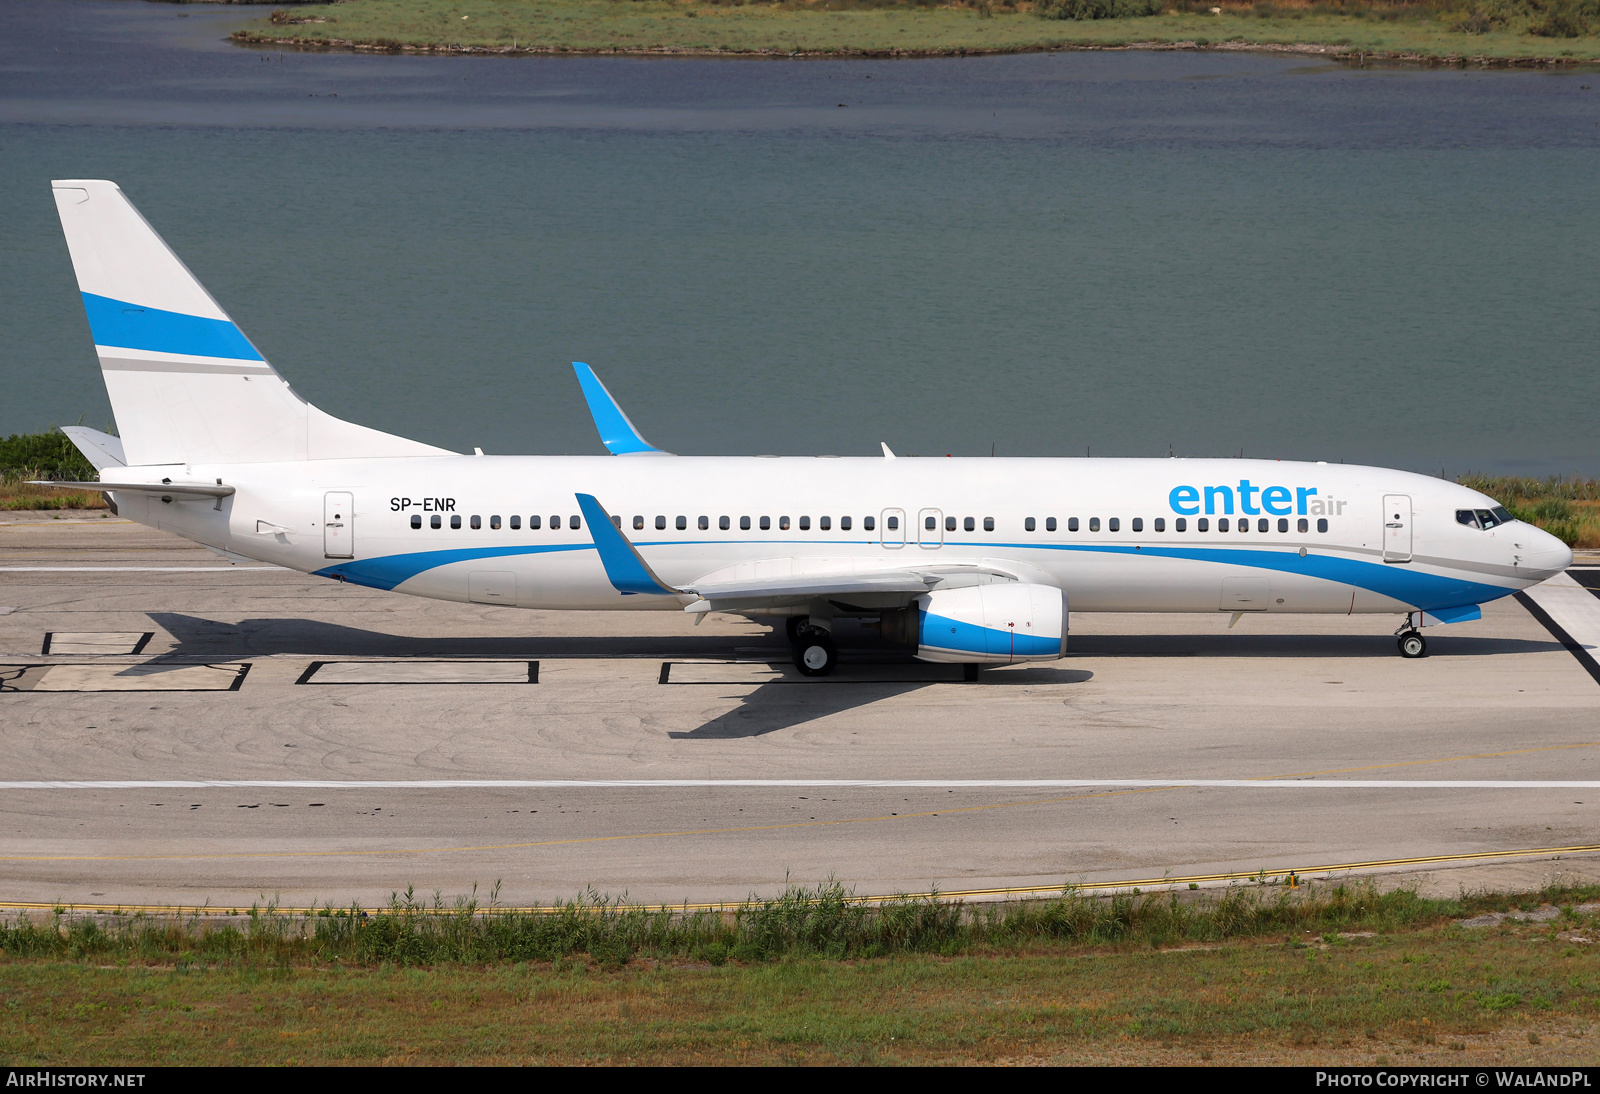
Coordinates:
969 561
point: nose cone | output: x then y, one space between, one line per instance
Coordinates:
1543 555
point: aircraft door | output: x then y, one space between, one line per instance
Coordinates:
1397 528
930 528
338 524
892 530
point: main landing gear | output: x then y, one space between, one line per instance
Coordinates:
814 651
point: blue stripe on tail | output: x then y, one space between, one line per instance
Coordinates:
133 326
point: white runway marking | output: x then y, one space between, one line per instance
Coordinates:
814 784
134 569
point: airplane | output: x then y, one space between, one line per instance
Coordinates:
969 561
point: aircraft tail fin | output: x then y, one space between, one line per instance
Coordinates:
186 385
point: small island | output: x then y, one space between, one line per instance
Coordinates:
1458 32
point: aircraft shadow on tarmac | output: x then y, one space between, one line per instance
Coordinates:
196 636
785 703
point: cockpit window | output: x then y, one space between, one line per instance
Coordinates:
1484 518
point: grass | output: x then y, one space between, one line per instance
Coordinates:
1482 31
1568 508
48 455
1254 974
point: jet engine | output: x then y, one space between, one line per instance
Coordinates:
991 624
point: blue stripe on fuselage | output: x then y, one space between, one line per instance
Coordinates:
134 326
1420 590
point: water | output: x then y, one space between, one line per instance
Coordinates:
1124 252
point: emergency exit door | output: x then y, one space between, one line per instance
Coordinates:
338 523
1397 528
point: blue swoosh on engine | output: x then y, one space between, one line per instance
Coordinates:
134 326
940 633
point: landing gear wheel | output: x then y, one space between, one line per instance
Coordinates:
1412 644
815 653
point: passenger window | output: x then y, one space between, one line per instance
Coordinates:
416 520
1222 524
555 523
494 521
661 524
805 524
1181 524
1094 524
744 524
1114 525
824 523
516 522
477 521
433 521
844 524
1204 525
1263 525
1302 525
1283 524
574 523
534 523
783 524
638 523
1028 525
724 523
931 524
682 523
1138 524
1161 524
869 523
1322 524
988 524
894 524
705 523
455 522
616 521
949 524
766 523
969 524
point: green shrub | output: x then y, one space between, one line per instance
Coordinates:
1098 9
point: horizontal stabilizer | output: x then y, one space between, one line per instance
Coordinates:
102 450
618 433
188 490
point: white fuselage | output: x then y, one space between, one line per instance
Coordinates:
1330 544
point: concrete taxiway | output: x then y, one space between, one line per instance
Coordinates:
178 730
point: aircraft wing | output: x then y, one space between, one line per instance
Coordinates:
629 573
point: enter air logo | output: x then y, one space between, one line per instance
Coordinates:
1252 500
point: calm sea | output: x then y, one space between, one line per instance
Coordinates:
1129 253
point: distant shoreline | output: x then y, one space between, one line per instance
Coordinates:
970 28
1346 54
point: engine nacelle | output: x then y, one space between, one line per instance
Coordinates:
992 624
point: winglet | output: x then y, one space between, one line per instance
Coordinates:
626 570
886 453
617 433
